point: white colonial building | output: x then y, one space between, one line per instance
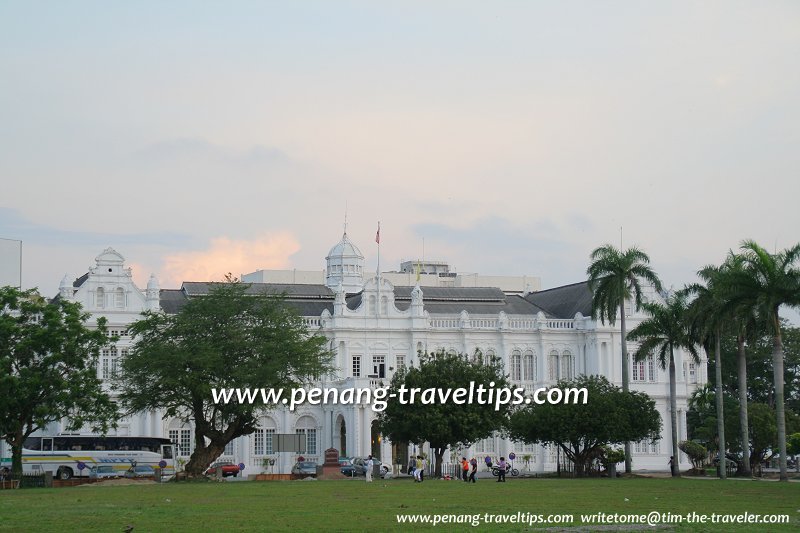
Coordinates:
375 328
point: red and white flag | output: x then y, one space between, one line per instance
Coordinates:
378 235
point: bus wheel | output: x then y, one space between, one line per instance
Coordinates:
64 472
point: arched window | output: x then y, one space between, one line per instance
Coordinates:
384 305
371 306
490 355
119 298
100 300
307 427
528 366
553 374
566 365
516 365
451 352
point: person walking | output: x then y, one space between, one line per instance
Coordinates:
474 464
464 469
501 470
422 464
369 464
418 469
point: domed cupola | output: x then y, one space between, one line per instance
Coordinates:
345 266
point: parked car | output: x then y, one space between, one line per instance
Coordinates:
346 466
140 471
228 469
305 468
360 466
104 472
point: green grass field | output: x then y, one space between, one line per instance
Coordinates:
356 505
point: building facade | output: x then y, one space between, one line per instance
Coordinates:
374 328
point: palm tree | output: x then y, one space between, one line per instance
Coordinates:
665 330
707 315
767 282
614 278
746 326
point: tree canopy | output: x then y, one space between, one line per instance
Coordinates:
444 424
229 338
610 416
48 368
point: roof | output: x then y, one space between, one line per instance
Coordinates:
312 299
79 281
292 291
564 302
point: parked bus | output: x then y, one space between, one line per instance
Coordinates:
63 455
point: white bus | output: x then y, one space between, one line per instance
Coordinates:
64 455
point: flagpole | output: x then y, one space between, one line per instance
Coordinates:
378 269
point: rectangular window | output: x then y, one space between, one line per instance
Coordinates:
553 367
311 440
228 449
528 367
516 367
356 366
692 373
400 362
105 363
268 434
258 442
566 366
185 442
651 368
379 366
638 371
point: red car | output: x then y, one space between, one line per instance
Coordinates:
228 469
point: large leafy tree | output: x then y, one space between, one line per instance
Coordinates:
767 282
610 416
615 277
48 368
445 423
664 331
227 339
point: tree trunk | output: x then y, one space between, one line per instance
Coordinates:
777 366
16 453
438 455
673 406
741 359
720 414
625 379
202 457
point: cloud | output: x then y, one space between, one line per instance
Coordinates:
17 226
269 251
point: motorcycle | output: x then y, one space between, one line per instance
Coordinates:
509 470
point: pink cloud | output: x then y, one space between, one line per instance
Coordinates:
269 251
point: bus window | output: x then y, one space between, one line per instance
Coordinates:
47 444
166 451
33 443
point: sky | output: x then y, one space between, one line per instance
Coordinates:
510 137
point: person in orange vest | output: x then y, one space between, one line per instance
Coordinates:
464 468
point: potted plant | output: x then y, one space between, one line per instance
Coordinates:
527 460
610 458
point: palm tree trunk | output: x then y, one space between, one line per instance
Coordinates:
741 359
673 406
777 367
625 379
720 415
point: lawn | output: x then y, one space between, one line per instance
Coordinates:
356 505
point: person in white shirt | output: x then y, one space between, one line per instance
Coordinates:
369 464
